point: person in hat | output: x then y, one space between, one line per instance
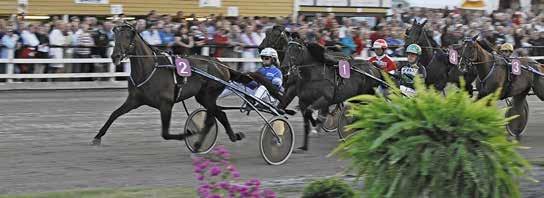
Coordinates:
407 73
506 50
381 59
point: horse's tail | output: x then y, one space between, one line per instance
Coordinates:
538 84
239 77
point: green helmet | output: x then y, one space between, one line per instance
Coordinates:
413 48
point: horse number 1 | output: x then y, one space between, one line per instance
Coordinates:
344 69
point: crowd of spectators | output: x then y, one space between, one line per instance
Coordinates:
215 35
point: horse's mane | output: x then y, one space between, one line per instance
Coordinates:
430 38
486 45
316 51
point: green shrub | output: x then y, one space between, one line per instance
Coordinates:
328 188
432 145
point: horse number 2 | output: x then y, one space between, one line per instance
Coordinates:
183 68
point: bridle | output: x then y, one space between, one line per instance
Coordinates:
473 61
282 36
127 52
295 68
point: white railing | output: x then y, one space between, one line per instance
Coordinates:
10 67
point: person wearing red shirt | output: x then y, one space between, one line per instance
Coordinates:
221 39
381 59
358 42
379 34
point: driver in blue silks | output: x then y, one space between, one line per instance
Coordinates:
270 59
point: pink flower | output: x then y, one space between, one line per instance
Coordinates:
215 170
235 174
224 185
232 168
204 190
269 194
253 182
215 196
200 177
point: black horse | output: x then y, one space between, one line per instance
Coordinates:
153 83
319 86
494 73
277 38
439 69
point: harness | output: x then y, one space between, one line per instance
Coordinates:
507 84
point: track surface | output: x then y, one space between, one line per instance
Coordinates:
45 136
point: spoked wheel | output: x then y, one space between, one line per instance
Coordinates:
343 121
193 128
273 151
517 126
331 122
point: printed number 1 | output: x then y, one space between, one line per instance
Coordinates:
344 67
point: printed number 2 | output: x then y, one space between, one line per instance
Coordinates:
184 68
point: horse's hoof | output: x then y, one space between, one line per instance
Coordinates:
96 142
240 136
237 137
314 132
300 150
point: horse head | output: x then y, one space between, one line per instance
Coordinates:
295 53
469 52
124 35
415 34
275 38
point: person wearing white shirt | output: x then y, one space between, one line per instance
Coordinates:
29 36
57 38
9 43
258 35
152 36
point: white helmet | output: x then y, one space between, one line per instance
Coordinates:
269 52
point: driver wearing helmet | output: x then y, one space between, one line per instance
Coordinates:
381 59
506 50
269 69
407 73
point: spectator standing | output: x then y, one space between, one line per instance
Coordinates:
57 41
84 42
30 43
199 40
9 44
221 39
167 35
257 34
151 35
100 49
183 42
248 41
42 50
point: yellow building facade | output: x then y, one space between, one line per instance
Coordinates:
142 7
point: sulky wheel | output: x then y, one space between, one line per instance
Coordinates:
193 128
331 122
517 126
273 151
343 121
